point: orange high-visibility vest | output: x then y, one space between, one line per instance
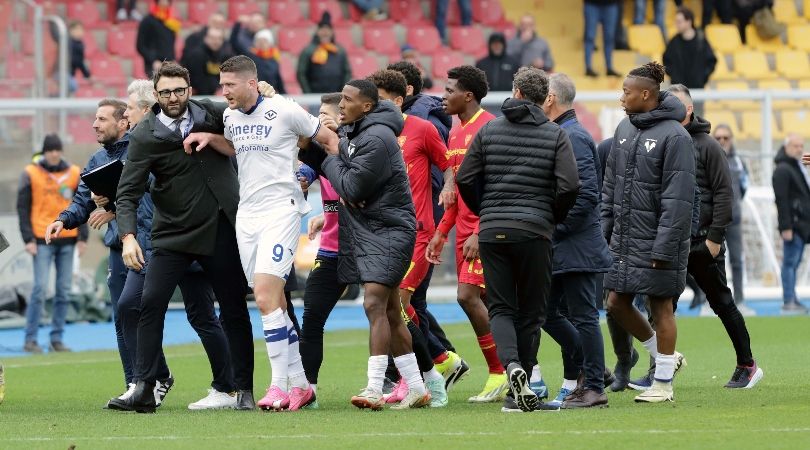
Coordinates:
51 193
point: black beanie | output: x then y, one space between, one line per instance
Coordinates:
51 142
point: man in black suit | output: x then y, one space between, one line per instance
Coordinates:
195 210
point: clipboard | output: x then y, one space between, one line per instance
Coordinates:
103 180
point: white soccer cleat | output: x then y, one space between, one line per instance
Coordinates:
659 392
215 400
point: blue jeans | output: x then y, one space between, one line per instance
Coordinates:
366 5
659 11
791 258
441 15
62 257
607 15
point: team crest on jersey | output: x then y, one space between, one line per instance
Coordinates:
401 141
270 115
649 144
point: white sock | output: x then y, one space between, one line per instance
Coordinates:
651 345
536 374
376 371
275 335
409 369
295 368
432 375
569 384
664 368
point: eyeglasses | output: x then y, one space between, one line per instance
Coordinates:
179 92
723 138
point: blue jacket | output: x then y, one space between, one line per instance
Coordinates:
579 244
82 205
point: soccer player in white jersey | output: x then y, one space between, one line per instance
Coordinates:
264 133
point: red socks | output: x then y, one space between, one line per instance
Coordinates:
490 351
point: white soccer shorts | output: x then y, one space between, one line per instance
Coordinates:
267 244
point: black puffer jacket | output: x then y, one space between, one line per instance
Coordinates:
714 181
378 224
647 200
519 171
792 195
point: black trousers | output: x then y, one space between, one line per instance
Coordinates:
577 331
710 274
320 297
518 279
198 298
437 342
223 269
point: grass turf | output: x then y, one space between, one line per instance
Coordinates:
54 401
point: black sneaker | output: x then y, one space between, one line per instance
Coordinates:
162 388
591 73
622 372
509 405
519 384
245 401
613 73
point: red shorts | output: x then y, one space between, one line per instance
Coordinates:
419 266
469 272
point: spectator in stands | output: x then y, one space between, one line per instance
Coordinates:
689 58
441 15
791 189
724 11
156 35
744 11
734 238
323 66
604 12
127 10
194 40
529 48
499 67
246 28
203 62
46 188
424 106
411 55
265 55
659 14
371 9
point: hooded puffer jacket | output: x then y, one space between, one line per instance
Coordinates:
377 228
647 201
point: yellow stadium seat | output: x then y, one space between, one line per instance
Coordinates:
732 86
804 85
796 121
752 64
753 40
793 64
752 125
799 36
646 39
717 116
724 38
780 85
721 70
736 105
785 11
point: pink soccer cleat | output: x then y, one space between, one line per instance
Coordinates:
300 398
274 400
398 394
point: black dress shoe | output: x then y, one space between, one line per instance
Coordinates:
622 372
244 400
609 377
585 398
142 400
591 73
613 73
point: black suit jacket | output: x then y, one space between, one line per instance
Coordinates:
189 190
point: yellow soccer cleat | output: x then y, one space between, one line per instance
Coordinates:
2 383
494 390
453 369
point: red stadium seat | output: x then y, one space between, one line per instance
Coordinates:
489 12
285 13
288 69
345 37
121 41
238 8
20 68
444 61
317 7
468 40
381 40
108 68
294 39
200 10
407 11
425 39
86 11
91 92
293 88
81 129
363 65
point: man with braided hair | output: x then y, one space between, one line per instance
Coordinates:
647 199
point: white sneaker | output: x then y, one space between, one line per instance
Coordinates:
215 400
657 393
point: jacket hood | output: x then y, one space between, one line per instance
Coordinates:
669 108
493 38
698 125
423 105
523 112
782 156
386 114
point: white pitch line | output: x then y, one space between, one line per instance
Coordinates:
400 434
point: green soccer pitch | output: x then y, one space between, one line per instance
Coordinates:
55 401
